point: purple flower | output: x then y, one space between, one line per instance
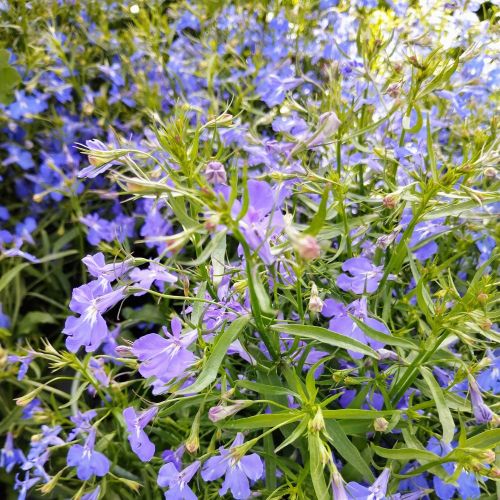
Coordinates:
25 363
237 470
10 456
138 439
165 358
363 276
262 220
341 322
97 267
82 423
93 495
156 273
481 411
90 301
4 319
25 485
98 159
177 482
489 379
377 491
87 461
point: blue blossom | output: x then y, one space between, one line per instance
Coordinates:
138 439
9 455
90 301
363 276
165 358
177 482
238 470
87 461
377 491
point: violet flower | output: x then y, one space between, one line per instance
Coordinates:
87 461
363 276
25 485
97 267
481 411
177 482
341 322
138 439
237 470
165 358
90 301
156 273
377 491
9 455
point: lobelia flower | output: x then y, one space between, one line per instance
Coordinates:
99 158
481 411
25 363
87 461
9 455
220 412
25 485
138 439
165 358
156 273
97 267
489 379
377 491
4 319
90 301
177 482
363 276
237 470
262 219
215 173
82 423
341 322
92 495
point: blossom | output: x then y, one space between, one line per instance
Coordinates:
4 319
363 276
99 158
90 301
9 455
92 495
25 485
341 322
87 461
237 470
177 482
156 273
25 363
165 358
377 491
481 411
97 267
82 423
138 439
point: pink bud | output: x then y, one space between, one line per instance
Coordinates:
215 172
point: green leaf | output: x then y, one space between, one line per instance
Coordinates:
316 467
296 434
326 337
216 356
34 318
11 274
264 420
319 217
445 416
382 337
357 414
406 454
487 439
266 389
346 449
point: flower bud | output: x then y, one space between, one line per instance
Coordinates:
490 172
482 298
315 302
215 172
380 424
481 411
488 456
308 248
390 201
317 424
220 412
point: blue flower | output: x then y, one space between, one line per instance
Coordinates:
87 461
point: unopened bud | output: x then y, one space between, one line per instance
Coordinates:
215 172
212 222
315 302
482 298
317 424
308 247
220 412
490 172
393 90
390 201
488 456
124 351
495 473
486 324
380 424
